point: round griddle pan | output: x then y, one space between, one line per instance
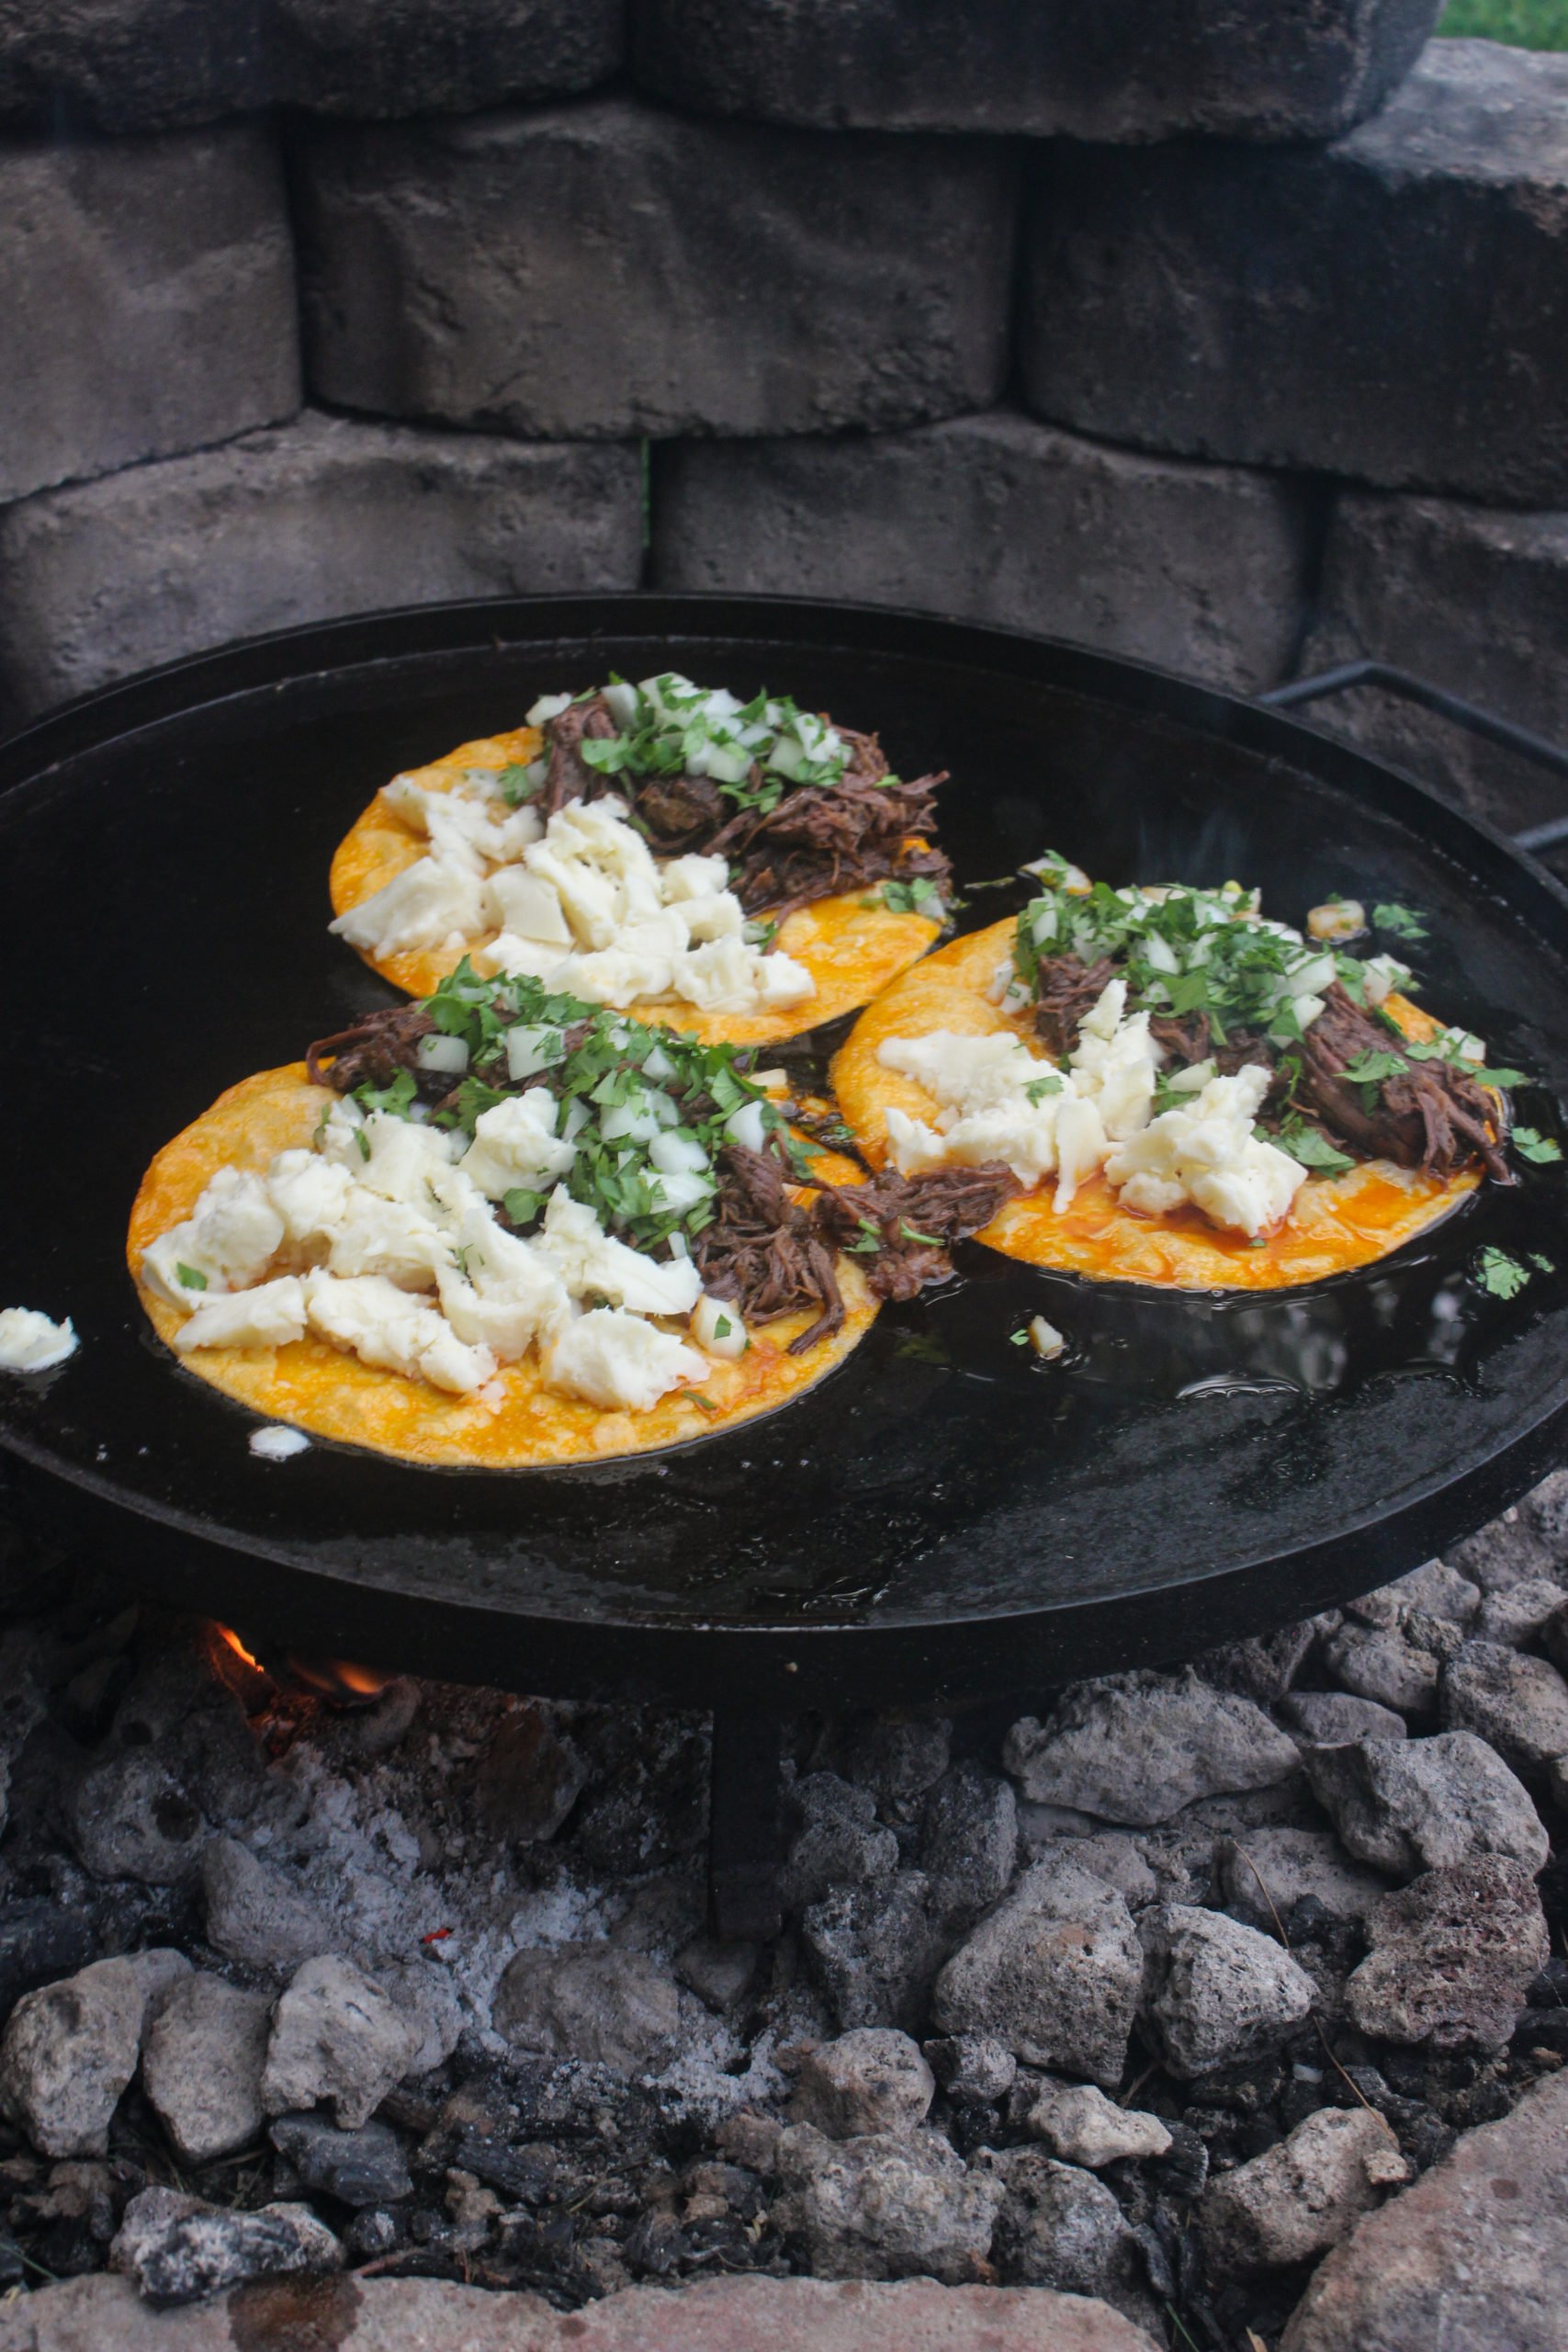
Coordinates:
945 1516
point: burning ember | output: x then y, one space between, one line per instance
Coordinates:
340 1681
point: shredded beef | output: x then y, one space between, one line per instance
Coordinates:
1432 1116
568 776
915 1220
761 1251
1067 988
679 811
372 1052
1188 1038
825 838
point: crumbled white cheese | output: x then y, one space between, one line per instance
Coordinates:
225 1243
1095 1112
279 1442
385 1326
1204 1151
619 1362
32 1342
579 901
593 1264
516 1145
267 1316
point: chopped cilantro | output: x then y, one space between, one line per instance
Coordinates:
191 1277
1498 1078
395 1099
522 1206
927 1240
1502 1275
722 1327
1019 1339
1542 1265
918 897
1309 1148
867 1241
519 782
1038 1088
1391 916
1370 1069
704 1404
760 934
1531 1145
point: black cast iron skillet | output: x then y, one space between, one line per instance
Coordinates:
944 1517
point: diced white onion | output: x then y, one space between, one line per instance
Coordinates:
672 1153
529 1051
1313 977
548 707
436 1052
657 1064
622 701
1045 1337
745 1127
707 1318
1192 1080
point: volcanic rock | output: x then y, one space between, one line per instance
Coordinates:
1055 1971
1137 1748
872 2080
1412 1805
202 2065
335 2036
595 2002
890 2205
1452 1956
1216 1991
1302 2196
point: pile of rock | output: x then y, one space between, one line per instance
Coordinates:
1191 1980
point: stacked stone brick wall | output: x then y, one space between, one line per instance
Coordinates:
1232 339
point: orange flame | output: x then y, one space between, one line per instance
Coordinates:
227 1634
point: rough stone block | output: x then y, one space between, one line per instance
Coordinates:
997 518
1389 306
148 293
1121 70
608 269
301 524
148 64
1474 598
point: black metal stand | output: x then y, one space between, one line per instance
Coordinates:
745 1827
1529 746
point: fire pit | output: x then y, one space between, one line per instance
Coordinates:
941 1521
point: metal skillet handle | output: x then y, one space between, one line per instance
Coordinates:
1464 714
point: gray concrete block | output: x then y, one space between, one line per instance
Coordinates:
1118 70
609 268
147 64
1393 306
314 519
997 518
1474 598
147 289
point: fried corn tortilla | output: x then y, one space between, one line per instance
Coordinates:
518 1422
1337 1222
852 945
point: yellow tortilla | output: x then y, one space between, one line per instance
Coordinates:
1336 1222
320 1388
851 950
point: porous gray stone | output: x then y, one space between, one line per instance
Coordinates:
1137 1748
1266 1871
1215 1991
1530 1538
594 2002
337 2037
1451 1958
1515 1702
838 1840
549 273
1333 307
1412 1805
126 65
720 1974
1333 1718
899 1758
1060 2227
128 1817
1524 1613
529 1776
888 2205
70 2048
1301 2197
1117 71
872 2080
1472 2257
117 258
874 1950
968 1840
1263 1665
253 1914
998 518
1081 2126
1055 1971
974 2069
1118 1859
315 519
179 2249
359 2168
202 2065
1433 1587
1377 1662
1477 596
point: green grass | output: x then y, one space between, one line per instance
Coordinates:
1527 24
